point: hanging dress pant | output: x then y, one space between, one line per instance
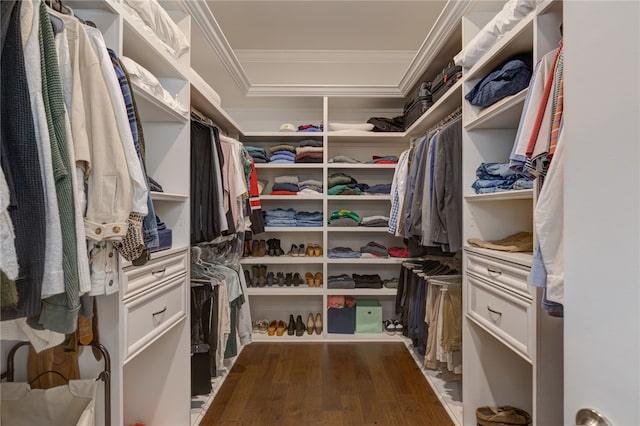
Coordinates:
201 295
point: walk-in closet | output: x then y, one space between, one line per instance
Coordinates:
327 212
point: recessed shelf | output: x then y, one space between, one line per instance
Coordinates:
517 40
286 137
362 291
438 111
293 229
504 114
281 260
205 100
364 137
155 109
385 197
519 194
291 197
168 196
366 229
367 166
275 290
289 166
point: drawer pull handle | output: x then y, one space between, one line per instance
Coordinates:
493 311
494 272
159 312
159 271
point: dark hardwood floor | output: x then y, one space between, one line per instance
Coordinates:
325 384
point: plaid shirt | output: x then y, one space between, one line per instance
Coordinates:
398 188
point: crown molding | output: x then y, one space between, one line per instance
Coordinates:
325 56
202 15
324 90
443 28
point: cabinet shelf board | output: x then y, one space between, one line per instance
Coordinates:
367 166
289 166
362 291
545 5
105 5
385 197
168 196
147 51
303 290
293 229
154 109
367 260
365 137
519 194
518 40
439 111
522 258
366 229
125 263
291 197
203 98
504 114
281 260
287 137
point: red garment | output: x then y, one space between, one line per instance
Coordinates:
386 162
398 252
254 192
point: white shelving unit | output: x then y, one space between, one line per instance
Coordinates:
512 349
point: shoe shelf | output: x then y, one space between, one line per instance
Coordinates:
361 291
368 260
281 260
275 290
305 338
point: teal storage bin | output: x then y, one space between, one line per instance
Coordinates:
368 316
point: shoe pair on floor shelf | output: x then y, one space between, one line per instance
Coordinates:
310 250
261 248
392 327
297 326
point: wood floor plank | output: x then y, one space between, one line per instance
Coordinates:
325 384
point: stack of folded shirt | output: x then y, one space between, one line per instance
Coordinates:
309 154
375 221
343 184
387 159
390 283
308 219
498 177
344 217
259 155
382 188
343 159
373 249
340 281
367 281
282 154
343 253
285 185
280 217
339 302
310 187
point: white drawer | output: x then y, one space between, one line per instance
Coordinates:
507 274
506 315
150 314
139 278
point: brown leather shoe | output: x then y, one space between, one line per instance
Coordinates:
273 326
254 248
282 326
318 323
246 248
309 251
262 248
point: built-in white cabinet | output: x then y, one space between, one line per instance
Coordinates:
512 349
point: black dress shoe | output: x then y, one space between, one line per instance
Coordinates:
292 326
300 327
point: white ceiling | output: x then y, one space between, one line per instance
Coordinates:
258 53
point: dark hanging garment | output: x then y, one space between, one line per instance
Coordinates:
202 179
21 166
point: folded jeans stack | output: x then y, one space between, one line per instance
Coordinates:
309 219
343 253
280 217
498 177
340 281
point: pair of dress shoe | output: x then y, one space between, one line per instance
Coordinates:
258 248
313 280
259 278
295 327
273 247
314 324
